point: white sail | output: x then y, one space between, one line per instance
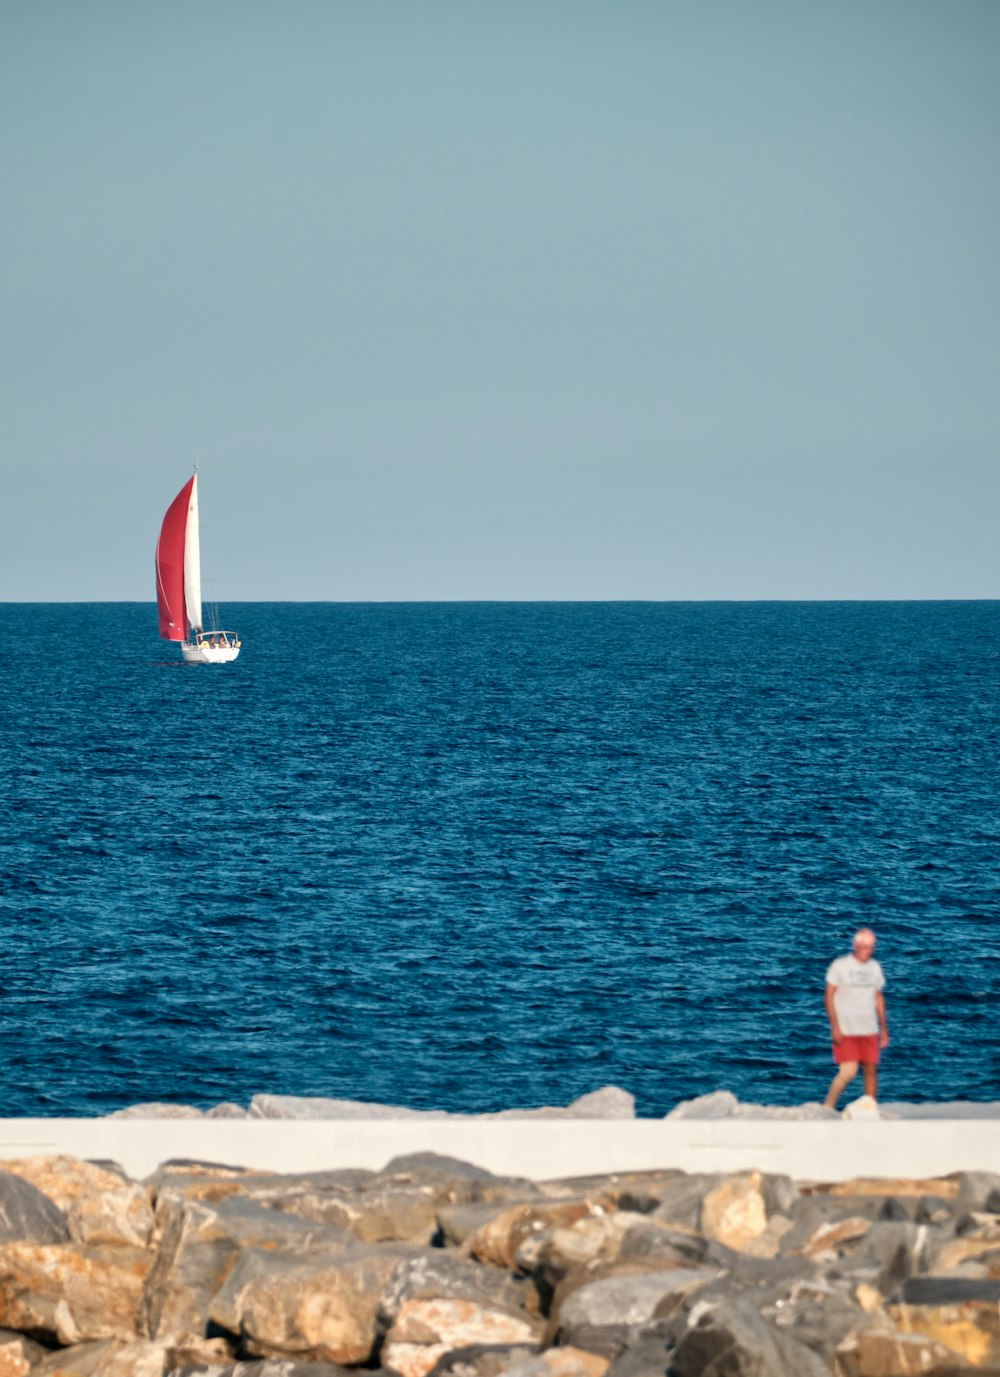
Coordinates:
192 561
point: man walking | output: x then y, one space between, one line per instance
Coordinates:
856 1010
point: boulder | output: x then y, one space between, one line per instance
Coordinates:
978 1190
439 1273
720 1104
66 1179
566 1361
630 1300
500 1240
425 1330
484 1360
876 1352
555 1251
453 1181
69 1293
899 1250
610 1102
833 1237
733 1213
943 1188
155 1109
733 1339
27 1214
321 1308
459 1223
78 1360
199 1240
120 1215
968 1328
18 1354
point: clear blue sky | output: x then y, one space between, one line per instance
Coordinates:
524 299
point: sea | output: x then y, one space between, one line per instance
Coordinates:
473 856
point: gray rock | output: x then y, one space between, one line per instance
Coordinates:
156 1110
723 1104
978 1190
646 1355
319 1107
610 1102
630 1300
488 1360
440 1273
647 1239
77 1360
27 1215
226 1111
681 1199
734 1340
198 1242
949 1290
899 1250
720 1104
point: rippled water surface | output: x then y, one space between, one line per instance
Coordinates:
476 855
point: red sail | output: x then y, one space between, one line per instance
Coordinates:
170 567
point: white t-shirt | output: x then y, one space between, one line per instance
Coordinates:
856 983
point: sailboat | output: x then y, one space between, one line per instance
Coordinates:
178 585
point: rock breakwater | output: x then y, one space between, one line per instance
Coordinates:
434 1266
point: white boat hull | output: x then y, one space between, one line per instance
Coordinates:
204 653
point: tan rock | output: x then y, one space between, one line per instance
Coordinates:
498 1240
734 1213
955 1251
869 1297
65 1179
18 1354
827 1239
320 1308
199 1241
877 1353
568 1361
425 1330
80 1360
121 1215
70 1293
943 1187
970 1328
594 1236
147 1358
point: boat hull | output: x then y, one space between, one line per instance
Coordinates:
202 654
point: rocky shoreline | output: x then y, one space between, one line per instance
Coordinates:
434 1266
610 1102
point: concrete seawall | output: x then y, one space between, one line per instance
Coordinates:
538 1149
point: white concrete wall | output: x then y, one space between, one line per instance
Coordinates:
538 1149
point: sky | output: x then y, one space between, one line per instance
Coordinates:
502 299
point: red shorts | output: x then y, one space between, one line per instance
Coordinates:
862 1049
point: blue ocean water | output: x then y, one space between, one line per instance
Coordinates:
471 856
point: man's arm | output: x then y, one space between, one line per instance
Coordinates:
883 1027
831 1012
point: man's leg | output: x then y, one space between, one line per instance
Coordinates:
869 1070
848 1070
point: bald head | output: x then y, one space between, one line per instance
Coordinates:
864 943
